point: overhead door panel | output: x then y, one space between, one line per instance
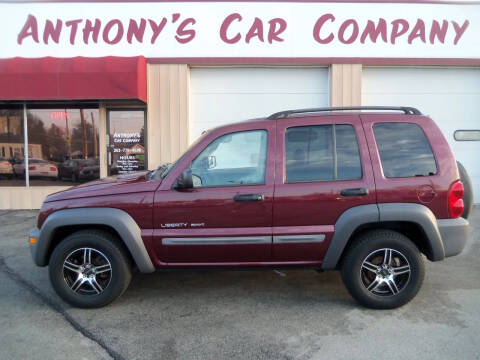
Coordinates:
224 95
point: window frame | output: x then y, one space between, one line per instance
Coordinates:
380 158
264 183
335 156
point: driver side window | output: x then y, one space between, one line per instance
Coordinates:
232 160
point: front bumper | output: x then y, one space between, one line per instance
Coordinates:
454 233
34 234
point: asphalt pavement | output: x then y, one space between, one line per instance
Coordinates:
249 314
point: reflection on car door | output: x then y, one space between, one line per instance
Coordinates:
227 216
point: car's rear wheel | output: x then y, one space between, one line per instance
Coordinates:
89 269
383 269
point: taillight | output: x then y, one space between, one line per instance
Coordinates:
455 201
53 168
31 168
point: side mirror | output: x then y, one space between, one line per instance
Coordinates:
185 180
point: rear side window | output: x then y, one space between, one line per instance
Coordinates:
322 153
404 150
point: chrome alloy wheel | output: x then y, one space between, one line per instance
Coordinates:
87 271
385 272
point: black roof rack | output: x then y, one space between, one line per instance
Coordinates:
286 113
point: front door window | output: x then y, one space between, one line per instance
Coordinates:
232 160
126 141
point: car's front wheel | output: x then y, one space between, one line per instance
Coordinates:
383 269
89 269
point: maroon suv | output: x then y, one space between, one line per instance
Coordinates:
364 192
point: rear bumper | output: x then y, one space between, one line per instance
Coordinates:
454 233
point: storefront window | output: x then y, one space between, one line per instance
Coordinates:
11 147
63 146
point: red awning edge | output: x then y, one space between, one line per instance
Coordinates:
78 78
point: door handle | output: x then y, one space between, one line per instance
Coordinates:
354 192
248 197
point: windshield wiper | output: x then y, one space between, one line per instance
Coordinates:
163 169
159 170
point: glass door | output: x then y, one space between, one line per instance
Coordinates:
126 141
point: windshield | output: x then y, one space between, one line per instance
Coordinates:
163 170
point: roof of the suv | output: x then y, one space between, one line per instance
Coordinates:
288 113
326 111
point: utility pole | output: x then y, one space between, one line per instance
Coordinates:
25 145
95 150
67 136
84 128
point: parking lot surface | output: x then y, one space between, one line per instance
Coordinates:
249 314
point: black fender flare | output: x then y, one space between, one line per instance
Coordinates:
357 216
119 220
345 226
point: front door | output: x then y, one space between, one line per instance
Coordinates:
323 169
126 147
227 216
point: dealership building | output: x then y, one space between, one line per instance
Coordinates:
92 89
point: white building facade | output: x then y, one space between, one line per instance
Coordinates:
110 87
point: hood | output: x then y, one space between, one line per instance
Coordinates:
119 184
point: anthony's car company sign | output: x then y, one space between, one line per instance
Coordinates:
241 29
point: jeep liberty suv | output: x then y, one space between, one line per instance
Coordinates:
365 192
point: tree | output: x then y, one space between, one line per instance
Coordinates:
37 133
77 139
57 144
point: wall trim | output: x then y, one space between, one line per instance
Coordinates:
320 61
21 197
168 89
346 85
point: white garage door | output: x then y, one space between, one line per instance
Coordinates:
450 96
227 94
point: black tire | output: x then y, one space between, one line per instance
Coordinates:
467 185
104 246
356 276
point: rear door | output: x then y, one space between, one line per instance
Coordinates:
322 169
